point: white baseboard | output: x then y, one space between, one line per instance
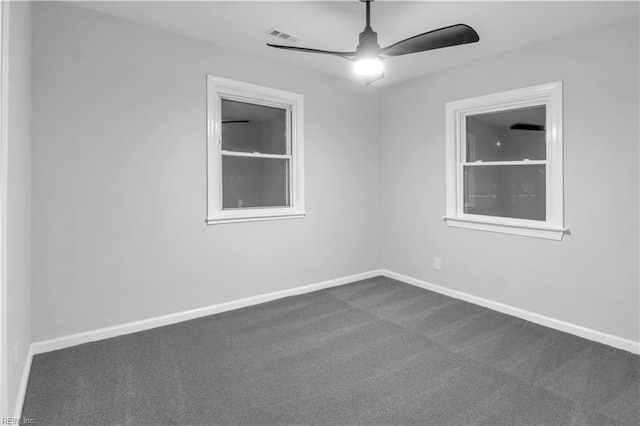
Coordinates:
587 333
146 324
24 380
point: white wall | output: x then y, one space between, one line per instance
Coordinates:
18 225
119 178
588 279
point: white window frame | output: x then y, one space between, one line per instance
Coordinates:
222 88
548 95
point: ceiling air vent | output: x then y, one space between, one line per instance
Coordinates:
273 32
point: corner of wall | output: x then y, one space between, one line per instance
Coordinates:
16 203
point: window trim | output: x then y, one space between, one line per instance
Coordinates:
549 95
219 88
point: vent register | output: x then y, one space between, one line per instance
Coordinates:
274 32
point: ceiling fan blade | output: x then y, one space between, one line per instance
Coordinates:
373 79
345 55
525 126
436 39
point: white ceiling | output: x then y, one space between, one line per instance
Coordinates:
334 25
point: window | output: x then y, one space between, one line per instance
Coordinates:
504 162
254 152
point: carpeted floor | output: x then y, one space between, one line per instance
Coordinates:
372 352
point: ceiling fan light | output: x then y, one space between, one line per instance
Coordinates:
368 66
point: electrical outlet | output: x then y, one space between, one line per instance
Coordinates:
15 358
437 264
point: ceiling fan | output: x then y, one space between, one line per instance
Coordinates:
526 126
368 56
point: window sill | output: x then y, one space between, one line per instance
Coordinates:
535 231
253 217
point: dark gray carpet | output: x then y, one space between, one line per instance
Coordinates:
372 352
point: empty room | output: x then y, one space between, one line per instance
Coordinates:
320 212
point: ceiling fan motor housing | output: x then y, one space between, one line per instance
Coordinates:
368 42
368 39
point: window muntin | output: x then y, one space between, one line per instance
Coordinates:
255 169
504 162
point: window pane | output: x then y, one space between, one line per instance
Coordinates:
507 135
253 128
506 191
254 182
